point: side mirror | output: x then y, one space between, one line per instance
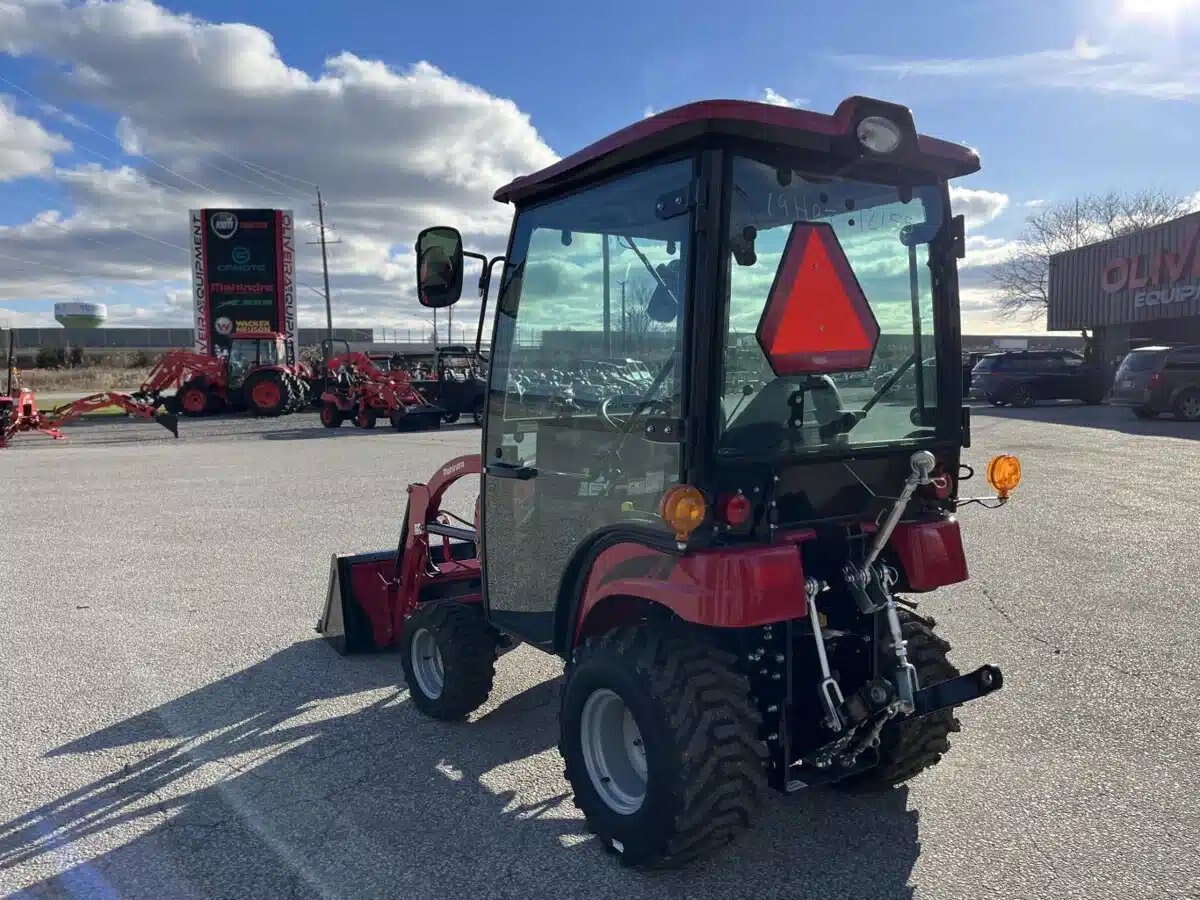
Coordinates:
439 267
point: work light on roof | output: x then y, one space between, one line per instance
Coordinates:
879 135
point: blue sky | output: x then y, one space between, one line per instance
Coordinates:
1059 98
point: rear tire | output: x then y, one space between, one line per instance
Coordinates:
1187 406
450 418
995 401
477 412
266 394
365 420
913 745
696 758
448 653
1022 396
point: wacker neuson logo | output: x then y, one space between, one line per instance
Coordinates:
223 224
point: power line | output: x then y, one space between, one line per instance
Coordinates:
94 130
94 240
311 184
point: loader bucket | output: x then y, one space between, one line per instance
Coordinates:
358 604
169 421
422 418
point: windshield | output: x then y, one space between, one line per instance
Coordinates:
884 233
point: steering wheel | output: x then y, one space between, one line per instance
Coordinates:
639 406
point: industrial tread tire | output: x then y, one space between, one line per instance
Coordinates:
705 763
1187 406
467 650
908 747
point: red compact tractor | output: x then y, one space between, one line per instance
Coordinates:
725 554
358 390
252 376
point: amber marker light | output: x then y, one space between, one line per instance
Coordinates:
1004 474
683 508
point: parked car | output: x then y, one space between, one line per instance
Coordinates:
968 366
1155 380
1023 377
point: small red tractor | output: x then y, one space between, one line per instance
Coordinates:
253 376
724 558
19 411
358 390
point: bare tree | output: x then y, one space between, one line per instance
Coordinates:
638 323
1023 279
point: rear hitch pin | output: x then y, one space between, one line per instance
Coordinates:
831 692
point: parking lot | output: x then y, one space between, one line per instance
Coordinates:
171 727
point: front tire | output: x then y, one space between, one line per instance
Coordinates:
331 416
267 394
660 738
448 653
910 746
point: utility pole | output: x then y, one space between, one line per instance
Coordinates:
325 267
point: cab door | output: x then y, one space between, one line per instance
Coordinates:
564 459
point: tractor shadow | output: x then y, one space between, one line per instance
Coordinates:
310 775
1104 417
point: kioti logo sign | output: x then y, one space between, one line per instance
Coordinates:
223 224
1157 279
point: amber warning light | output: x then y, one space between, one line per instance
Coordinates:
816 319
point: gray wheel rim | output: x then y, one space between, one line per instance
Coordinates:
427 664
1190 407
613 752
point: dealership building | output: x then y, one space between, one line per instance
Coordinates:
1143 288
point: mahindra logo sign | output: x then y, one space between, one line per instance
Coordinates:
1157 279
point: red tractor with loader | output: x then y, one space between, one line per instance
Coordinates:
253 376
725 561
358 390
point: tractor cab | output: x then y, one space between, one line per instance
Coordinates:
248 352
716 542
745 258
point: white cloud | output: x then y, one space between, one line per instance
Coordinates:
394 150
772 96
1034 204
986 251
26 148
979 207
1083 66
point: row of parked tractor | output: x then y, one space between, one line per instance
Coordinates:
252 374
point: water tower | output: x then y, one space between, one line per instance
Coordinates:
80 315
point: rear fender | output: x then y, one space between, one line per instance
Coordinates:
929 554
722 588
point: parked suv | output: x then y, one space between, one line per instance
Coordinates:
1023 377
1156 380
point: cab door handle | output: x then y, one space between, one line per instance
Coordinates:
508 470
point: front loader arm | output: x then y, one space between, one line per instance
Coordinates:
69 412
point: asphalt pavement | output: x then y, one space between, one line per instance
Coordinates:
171 727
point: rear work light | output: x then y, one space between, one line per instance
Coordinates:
879 135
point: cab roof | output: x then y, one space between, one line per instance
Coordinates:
780 125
